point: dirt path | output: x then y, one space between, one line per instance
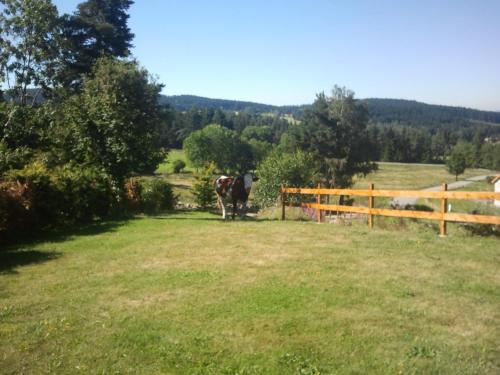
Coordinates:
403 201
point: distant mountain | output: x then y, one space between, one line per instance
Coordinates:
185 102
401 111
415 113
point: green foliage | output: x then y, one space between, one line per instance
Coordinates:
260 149
13 158
291 170
23 126
203 188
458 159
54 198
83 193
490 156
220 146
178 165
98 28
334 132
260 133
27 45
118 120
156 195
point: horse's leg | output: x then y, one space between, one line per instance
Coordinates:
235 206
221 203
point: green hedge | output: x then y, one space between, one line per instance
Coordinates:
35 198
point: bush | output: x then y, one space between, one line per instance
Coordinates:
13 209
149 195
156 195
203 188
291 170
35 198
84 193
178 165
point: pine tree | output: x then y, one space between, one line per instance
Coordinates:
97 28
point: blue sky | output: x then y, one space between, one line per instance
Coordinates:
284 52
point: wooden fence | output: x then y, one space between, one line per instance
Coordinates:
443 216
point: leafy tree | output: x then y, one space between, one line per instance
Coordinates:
27 45
334 132
290 169
97 28
114 122
218 145
260 149
490 156
259 133
457 160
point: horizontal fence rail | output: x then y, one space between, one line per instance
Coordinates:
443 216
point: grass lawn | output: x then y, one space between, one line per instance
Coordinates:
414 176
186 293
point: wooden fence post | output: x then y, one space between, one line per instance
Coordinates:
370 206
282 202
444 208
318 201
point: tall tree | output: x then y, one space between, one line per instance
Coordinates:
27 45
334 132
97 28
115 121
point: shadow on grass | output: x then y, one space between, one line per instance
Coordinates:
16 243
11 259
215 216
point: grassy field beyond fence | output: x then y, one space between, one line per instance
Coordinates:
187 293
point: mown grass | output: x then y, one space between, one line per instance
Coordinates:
186 293
413 176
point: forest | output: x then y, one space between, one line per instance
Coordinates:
398 130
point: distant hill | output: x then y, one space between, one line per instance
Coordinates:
401 111
185 102
415 113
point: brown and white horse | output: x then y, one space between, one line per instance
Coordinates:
234 190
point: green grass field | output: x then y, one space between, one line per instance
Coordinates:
186 293
414 176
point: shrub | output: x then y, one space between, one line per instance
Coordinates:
156 195
178 165
291 170
37 194
84 193
13 209
203 188
35 198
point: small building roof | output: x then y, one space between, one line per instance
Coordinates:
495 179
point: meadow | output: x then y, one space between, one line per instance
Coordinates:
185 293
